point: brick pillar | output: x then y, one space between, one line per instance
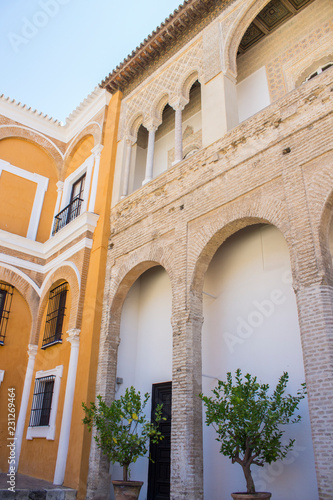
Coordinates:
99 480
315 309
186 430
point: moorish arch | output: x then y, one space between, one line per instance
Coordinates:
190 78
62 273
28 292
239 22
158 107
133 126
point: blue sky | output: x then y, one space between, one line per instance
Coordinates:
54 52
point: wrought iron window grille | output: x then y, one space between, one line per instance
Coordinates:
66 215
6 295
55 315
42 401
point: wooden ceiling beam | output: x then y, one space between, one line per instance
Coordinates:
289 6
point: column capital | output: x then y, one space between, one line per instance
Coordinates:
96 150
32 351
60 186
74 337
130 140
179 103
152 124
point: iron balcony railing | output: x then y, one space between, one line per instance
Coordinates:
66 215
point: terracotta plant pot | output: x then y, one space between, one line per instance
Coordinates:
252 496
127 490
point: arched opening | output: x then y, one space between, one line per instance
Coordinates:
139 155
145 349
165 141
275 47
15 329
192 122
251 322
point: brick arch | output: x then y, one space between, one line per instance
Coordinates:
36 138
227 222
321 207
94 129
27 291
239 22
63 273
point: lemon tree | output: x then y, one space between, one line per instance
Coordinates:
248 420
122 429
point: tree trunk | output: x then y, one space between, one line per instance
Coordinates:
125 472
249 481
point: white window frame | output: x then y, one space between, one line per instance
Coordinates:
85 168
48 431
42 185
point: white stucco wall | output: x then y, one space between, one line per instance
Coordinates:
252 324
145 350
253 94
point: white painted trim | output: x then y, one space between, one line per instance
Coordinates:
76 122
32 351
85 222
59 474
38 268
61 264
2 374
42 184
96 151
44 431
34 131
22 275
85 168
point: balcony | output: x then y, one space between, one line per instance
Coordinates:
66 215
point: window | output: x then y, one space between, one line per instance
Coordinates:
76 199
42 400
6 294
44 404
73 209
318 71
55 315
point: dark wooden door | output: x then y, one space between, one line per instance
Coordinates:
159 470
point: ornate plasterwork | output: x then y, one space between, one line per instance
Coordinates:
172 82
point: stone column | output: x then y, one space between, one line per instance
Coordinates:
150 154
128 154
179 106
96 151
32 352
74 340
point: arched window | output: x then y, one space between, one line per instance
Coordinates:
318 71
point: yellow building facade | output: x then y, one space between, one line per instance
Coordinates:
55 197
